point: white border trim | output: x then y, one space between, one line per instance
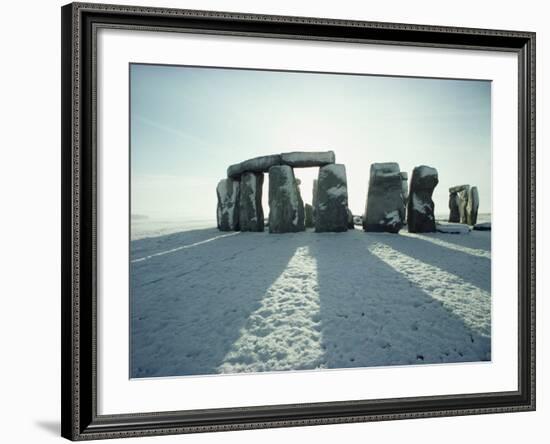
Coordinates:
118 394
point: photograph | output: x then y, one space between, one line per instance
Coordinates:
286 221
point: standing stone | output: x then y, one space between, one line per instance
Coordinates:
251 213
455 203
228 204
286 208
385 208
463 203
420 212
472 206
308 216
405 191
314 198
331 213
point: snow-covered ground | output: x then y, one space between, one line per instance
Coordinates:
206 302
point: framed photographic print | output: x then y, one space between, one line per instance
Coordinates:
276 221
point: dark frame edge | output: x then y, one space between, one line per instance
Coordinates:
79 420
67 356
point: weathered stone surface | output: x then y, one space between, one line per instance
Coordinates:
256 165
314 199
228 191
472 206
385 208
420 211
304 159
331 213
463 203
286 208
308 221
300 159
405 191
455 202
351 224
251 213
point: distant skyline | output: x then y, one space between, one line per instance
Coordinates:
188 124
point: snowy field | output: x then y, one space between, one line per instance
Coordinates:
207 302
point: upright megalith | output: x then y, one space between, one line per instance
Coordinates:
251 213
385 207
472 206
314 198
227 213
308 220
420 211
405 191
286 208
457 203
463 203
331 213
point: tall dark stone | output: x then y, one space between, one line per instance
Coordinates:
251 213
308 216
286 208
331 213
455 203
314 199
472 206
227 213
385 208
420 211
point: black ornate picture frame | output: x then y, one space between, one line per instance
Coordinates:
80 419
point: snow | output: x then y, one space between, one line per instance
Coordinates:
390 218
337 191
205 303
418 205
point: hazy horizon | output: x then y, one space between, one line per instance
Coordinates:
189 124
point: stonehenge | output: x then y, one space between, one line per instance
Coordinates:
286 208
228 204
295 159
463 204
308 218
385 207
331 211
251 214
240 194
392 202
472 206
420 211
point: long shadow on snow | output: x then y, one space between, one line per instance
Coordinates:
188 307
372 315
473 269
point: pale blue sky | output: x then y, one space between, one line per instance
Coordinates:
188 124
